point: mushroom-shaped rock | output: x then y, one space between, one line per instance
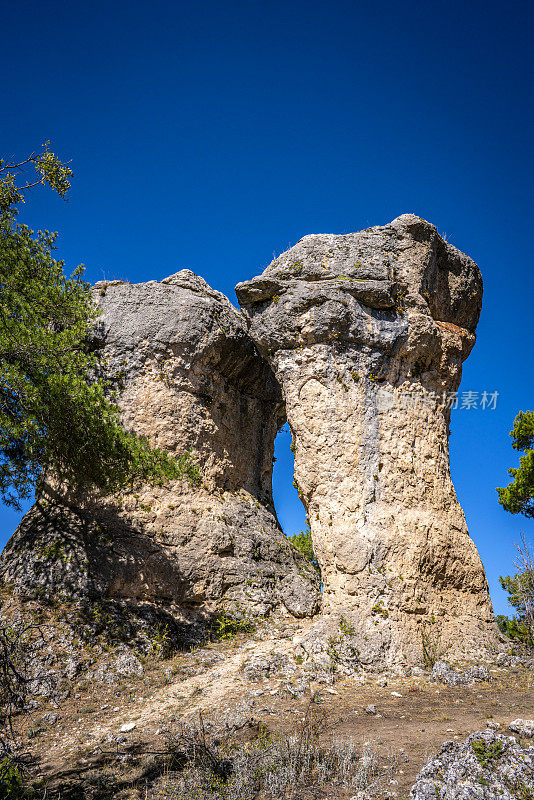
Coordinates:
193 381
366 333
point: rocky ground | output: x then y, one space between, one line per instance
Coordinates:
104 729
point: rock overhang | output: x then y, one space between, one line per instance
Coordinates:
335 283
182 316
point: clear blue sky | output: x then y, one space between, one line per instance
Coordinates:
212 135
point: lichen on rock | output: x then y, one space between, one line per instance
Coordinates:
487 766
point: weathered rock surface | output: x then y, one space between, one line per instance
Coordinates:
509 660
487 766
523 727
443 672
264 666
367 333
193 381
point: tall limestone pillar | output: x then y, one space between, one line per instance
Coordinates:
367 333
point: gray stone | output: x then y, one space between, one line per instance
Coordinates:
358 340
299 595
477 673
444 673
331 646
508 660
73 667
523 727
487 766
128 665
104 674
128 726
263 666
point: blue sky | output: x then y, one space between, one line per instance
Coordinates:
212 135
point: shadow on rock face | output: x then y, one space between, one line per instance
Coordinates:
193 382
87 557
67 553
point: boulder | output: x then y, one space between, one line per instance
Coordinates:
487 766
523 727
265 665
128 665
443 672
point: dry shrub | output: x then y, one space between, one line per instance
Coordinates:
431 645
20 676
271 766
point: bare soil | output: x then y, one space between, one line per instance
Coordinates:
414 716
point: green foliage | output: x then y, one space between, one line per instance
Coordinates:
161 644
49 168
11 780
400 301
518 496
226 626
333 652
303 543
521 791
55 551
58 415
214 766
515 630
21 646
517 586
346 628
487 754
378 608
520 588
430 644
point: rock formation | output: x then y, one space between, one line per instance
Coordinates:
194 381
359 341
367 333
486 766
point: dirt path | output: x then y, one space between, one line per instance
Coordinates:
412 718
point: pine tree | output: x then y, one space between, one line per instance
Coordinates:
56 416
518 496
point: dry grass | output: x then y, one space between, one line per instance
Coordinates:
274 767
